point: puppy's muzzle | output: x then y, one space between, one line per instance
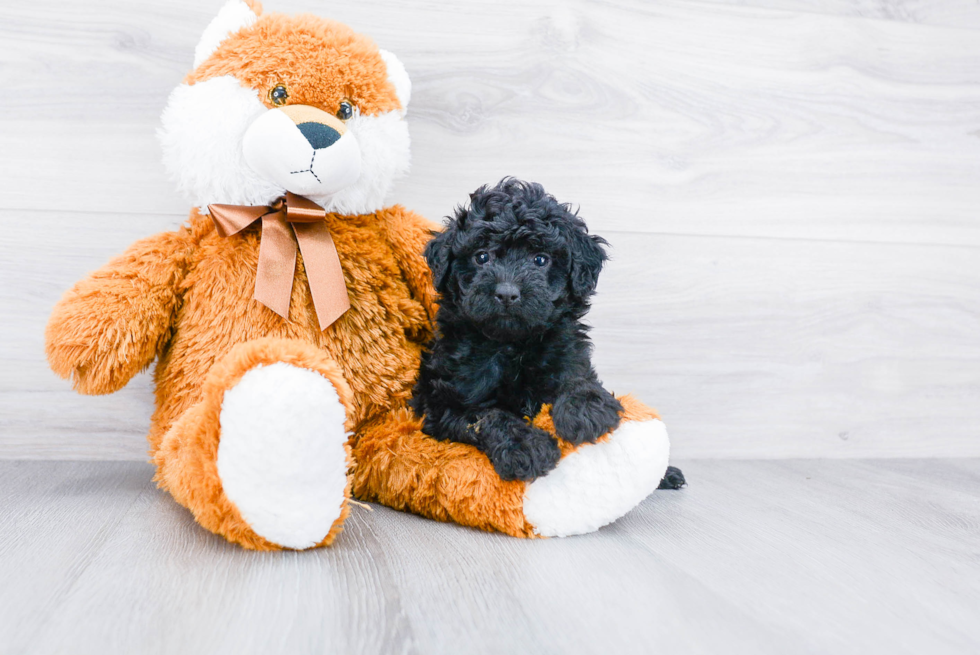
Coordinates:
303 149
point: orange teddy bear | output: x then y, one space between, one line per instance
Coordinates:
287 316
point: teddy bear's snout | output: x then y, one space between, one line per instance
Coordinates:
303 149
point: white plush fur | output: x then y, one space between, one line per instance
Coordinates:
233 16
398 77
384 145
275 149
281 456
202 134
599 483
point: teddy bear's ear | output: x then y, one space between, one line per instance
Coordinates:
398 77
235 15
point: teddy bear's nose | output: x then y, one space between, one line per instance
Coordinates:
320 129
318 134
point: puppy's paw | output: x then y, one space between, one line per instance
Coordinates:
526 457
585 413
516 450
673 479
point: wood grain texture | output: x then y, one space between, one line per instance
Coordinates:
669 117
754 557
791 189
949 13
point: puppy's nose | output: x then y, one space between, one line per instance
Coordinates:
507 293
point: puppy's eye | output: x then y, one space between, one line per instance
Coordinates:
481 257
346 111
541 260
278 95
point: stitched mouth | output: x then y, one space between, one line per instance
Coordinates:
308 170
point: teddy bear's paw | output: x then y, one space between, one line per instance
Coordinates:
282 457
598 483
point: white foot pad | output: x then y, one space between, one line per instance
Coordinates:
597 484
281 456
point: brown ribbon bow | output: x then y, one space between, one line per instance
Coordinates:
277 253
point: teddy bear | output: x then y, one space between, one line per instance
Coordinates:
286 317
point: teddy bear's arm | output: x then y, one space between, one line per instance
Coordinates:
408 233
112 324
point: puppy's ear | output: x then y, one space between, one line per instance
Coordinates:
439 255
586 255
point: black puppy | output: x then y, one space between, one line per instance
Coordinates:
515 270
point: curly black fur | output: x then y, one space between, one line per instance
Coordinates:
515 270
673 479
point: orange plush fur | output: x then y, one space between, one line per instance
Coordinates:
184 299
280 43
195 288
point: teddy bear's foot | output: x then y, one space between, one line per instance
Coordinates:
262 459
597 483
593 484
281 456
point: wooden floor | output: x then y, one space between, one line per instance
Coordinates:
796 556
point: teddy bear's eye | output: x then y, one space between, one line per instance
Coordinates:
481 257
278 95
541 260
346 110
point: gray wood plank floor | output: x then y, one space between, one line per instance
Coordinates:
797 556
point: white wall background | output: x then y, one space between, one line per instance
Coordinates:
792 190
